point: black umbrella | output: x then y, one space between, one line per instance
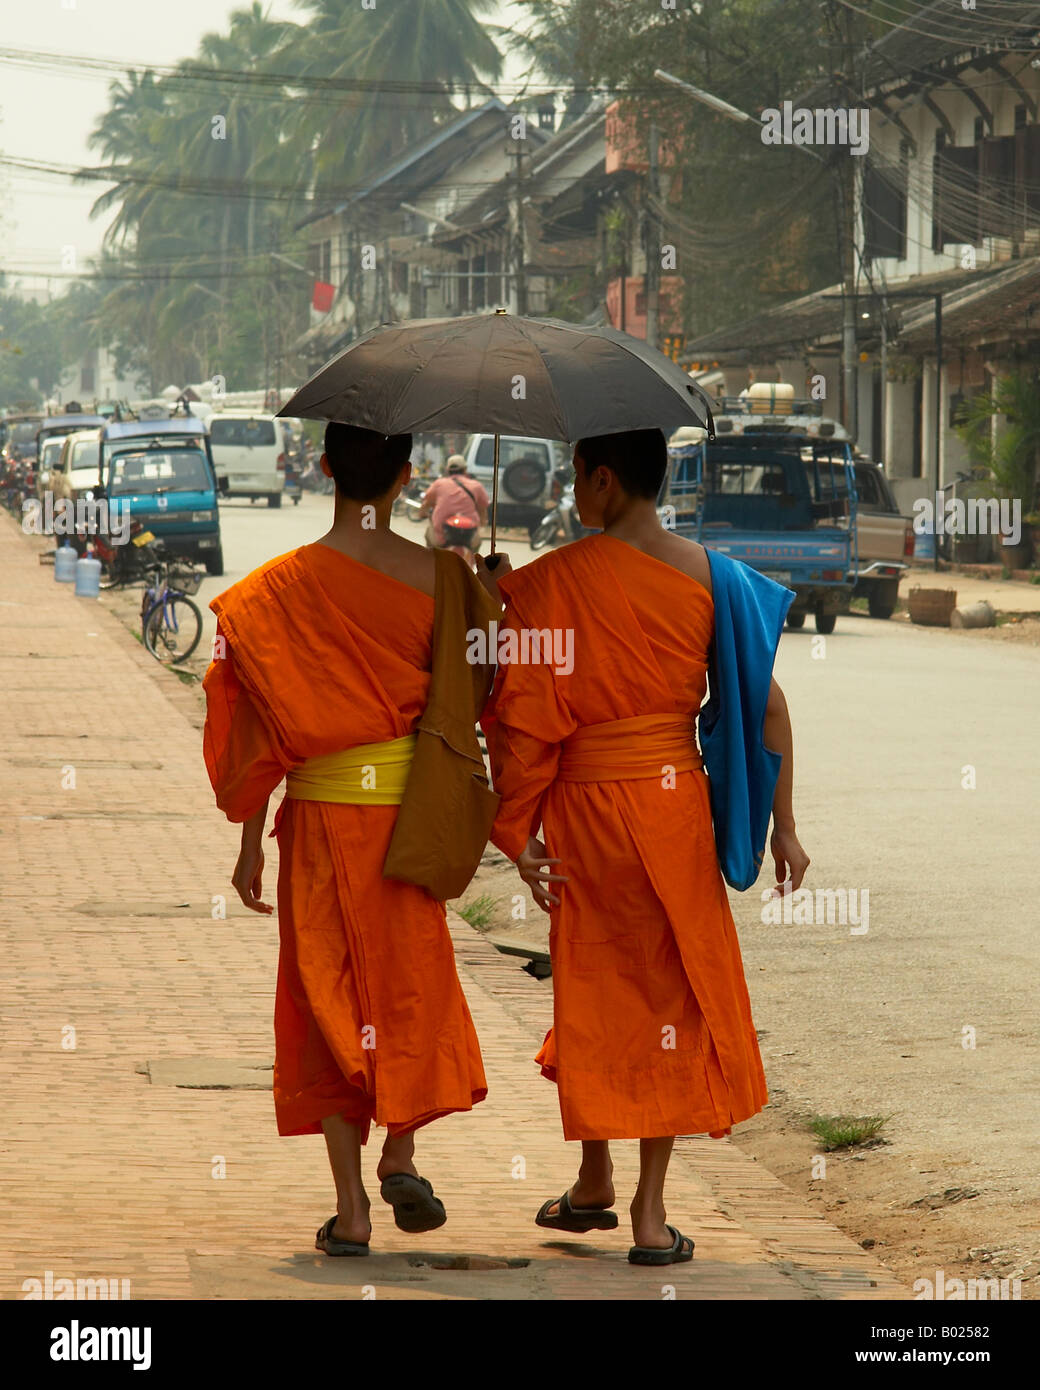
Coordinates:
500 374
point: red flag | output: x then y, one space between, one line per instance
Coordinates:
323 296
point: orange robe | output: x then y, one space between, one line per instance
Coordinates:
324 653
652 1030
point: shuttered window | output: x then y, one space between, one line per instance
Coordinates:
884 213
955 196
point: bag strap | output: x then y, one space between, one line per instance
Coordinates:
464 489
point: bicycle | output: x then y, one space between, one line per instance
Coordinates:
171 623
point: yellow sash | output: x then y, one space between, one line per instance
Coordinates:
372 774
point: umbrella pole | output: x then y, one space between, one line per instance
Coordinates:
494 497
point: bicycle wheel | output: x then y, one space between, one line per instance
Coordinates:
172 628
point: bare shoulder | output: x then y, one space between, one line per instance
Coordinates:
413 564
689 557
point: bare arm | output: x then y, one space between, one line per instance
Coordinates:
788 855
248 875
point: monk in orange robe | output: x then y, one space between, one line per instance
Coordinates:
319 651
603 659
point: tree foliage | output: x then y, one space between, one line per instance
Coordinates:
212 164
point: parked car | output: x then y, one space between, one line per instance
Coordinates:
525 475
50 453
78 468
884 538
163 470
251 452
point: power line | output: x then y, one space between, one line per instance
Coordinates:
281 82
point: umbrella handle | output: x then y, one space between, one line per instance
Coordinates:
494 504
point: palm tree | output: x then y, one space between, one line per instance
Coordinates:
552 36
186 208
433 48
125 137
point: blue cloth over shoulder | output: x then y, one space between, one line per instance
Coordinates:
749 617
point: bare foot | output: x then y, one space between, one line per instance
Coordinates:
353 1223
397 1157
648 1225
597 1196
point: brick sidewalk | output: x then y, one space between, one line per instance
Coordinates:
106 928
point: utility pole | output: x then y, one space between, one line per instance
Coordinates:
938 417
519 251
652 248
846 174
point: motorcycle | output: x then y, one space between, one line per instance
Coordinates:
314 480
409 500
293 486
459 534
562 516
17 482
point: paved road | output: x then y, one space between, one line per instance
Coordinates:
890 726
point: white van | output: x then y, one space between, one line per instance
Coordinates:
77 468
250 451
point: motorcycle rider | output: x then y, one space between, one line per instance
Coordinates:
458 502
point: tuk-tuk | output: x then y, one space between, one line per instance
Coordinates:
775 489
163 471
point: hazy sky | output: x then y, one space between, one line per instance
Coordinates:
48 115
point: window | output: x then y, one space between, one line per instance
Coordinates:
763 480
319 257
242 433
509 450
1027 167
84 453
955 196
1020 117
159 470
884 211
86 380
997 186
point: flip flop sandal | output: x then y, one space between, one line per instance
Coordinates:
332 1245
677 1254
415 1207
577 1219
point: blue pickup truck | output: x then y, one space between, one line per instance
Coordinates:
776 489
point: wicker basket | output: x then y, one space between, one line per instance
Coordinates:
184 578
932 607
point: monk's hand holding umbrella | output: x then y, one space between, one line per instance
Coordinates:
491 570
